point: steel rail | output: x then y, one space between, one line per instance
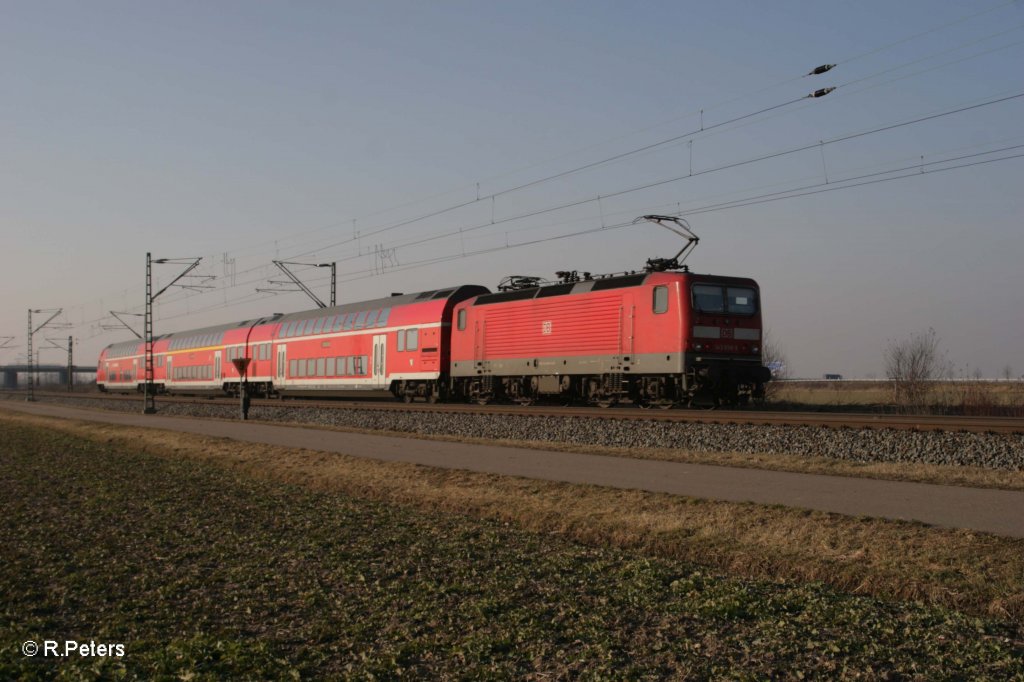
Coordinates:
833 420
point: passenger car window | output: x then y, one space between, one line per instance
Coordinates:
412 338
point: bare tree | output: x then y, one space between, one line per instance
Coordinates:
1007 372
774 358
912 364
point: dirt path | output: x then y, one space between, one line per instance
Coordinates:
993 511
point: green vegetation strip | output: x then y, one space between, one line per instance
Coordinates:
204 573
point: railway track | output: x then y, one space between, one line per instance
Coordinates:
851 420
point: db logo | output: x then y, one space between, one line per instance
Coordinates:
726 333
545 327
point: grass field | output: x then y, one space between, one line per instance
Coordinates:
207 572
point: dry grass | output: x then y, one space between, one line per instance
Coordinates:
979 398
965 570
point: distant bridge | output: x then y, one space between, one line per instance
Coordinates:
11 373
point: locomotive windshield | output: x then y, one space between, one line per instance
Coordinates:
714 298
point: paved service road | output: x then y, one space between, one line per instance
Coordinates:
993 511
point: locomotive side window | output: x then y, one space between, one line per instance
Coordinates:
462 320
660 299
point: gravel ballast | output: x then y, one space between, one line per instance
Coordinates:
985 450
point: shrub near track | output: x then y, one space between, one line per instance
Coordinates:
204 574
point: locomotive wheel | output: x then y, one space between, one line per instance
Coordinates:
407 398
432 398
606 403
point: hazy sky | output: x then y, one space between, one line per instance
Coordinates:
247 131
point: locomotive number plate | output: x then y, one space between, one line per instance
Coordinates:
545 327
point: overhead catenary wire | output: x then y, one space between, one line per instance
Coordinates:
849 136
789 194
835 186
715 169
841 62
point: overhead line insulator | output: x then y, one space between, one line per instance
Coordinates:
821 69
820 93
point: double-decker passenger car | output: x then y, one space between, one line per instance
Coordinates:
399 344
654 338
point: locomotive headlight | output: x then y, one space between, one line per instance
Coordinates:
698 346
755 349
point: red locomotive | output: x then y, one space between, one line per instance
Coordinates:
661 337
655 338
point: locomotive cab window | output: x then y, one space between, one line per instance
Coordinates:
660 299
708 298
712 298
740 300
